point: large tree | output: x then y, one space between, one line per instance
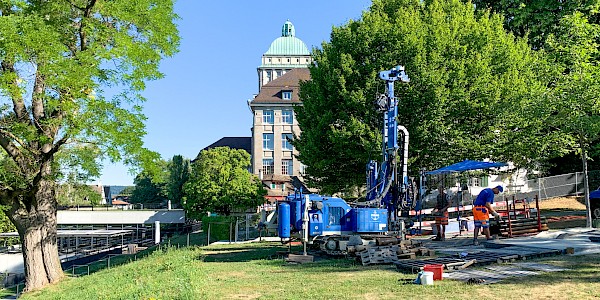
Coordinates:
469 83
148 190
574 94
179 172
568 32
220 182
55 59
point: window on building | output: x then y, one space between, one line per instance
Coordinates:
278 72
475 181
287 116
273 186
267 117
288 60
297 60
269 75
268 166
286 95
287 167
286 141
269 60
302 169
267 141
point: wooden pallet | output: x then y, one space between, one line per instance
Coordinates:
391 254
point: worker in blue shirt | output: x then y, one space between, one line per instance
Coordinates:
482 207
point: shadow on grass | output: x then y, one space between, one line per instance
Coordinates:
242 254
274 255
581 269
106 262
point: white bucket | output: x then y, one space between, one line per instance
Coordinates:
427 278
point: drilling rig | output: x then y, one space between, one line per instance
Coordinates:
339 228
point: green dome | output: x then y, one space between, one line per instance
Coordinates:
287 43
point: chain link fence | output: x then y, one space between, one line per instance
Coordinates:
558 186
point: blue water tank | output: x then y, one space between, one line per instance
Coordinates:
296 214
283 220
369 220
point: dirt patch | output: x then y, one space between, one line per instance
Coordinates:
245 296
562 203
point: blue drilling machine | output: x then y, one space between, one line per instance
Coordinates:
339 228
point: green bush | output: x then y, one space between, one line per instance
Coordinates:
219 228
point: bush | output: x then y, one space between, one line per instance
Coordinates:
219 228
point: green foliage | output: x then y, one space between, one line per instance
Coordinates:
147 190
573 50
73 194
56 60
128 191
537 19
567 31
179 172
220 182
471 84
219 227
57 57
5 224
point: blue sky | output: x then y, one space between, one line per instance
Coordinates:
204 94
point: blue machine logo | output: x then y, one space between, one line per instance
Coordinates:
375 216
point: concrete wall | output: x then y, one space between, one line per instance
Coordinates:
174 216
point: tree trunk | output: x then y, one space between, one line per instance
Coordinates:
586 189
37 227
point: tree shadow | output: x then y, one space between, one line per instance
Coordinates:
582 269
241 253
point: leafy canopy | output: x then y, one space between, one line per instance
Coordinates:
71 77
220 182
538 19
470 83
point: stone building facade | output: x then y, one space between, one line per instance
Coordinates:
283 67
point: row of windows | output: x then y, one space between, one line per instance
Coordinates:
288 60
286 141
287 116
278 73
287 166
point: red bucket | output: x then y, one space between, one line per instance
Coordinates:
436 269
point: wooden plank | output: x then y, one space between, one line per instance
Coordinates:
299 258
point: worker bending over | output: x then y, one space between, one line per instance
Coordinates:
482 206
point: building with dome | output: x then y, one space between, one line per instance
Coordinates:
286 52
274 124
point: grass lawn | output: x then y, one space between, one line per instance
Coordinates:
252 271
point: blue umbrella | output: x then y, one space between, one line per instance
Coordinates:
467 165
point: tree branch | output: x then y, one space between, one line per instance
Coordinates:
12 150
8 134
57 146
38 101
86 14
18 102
